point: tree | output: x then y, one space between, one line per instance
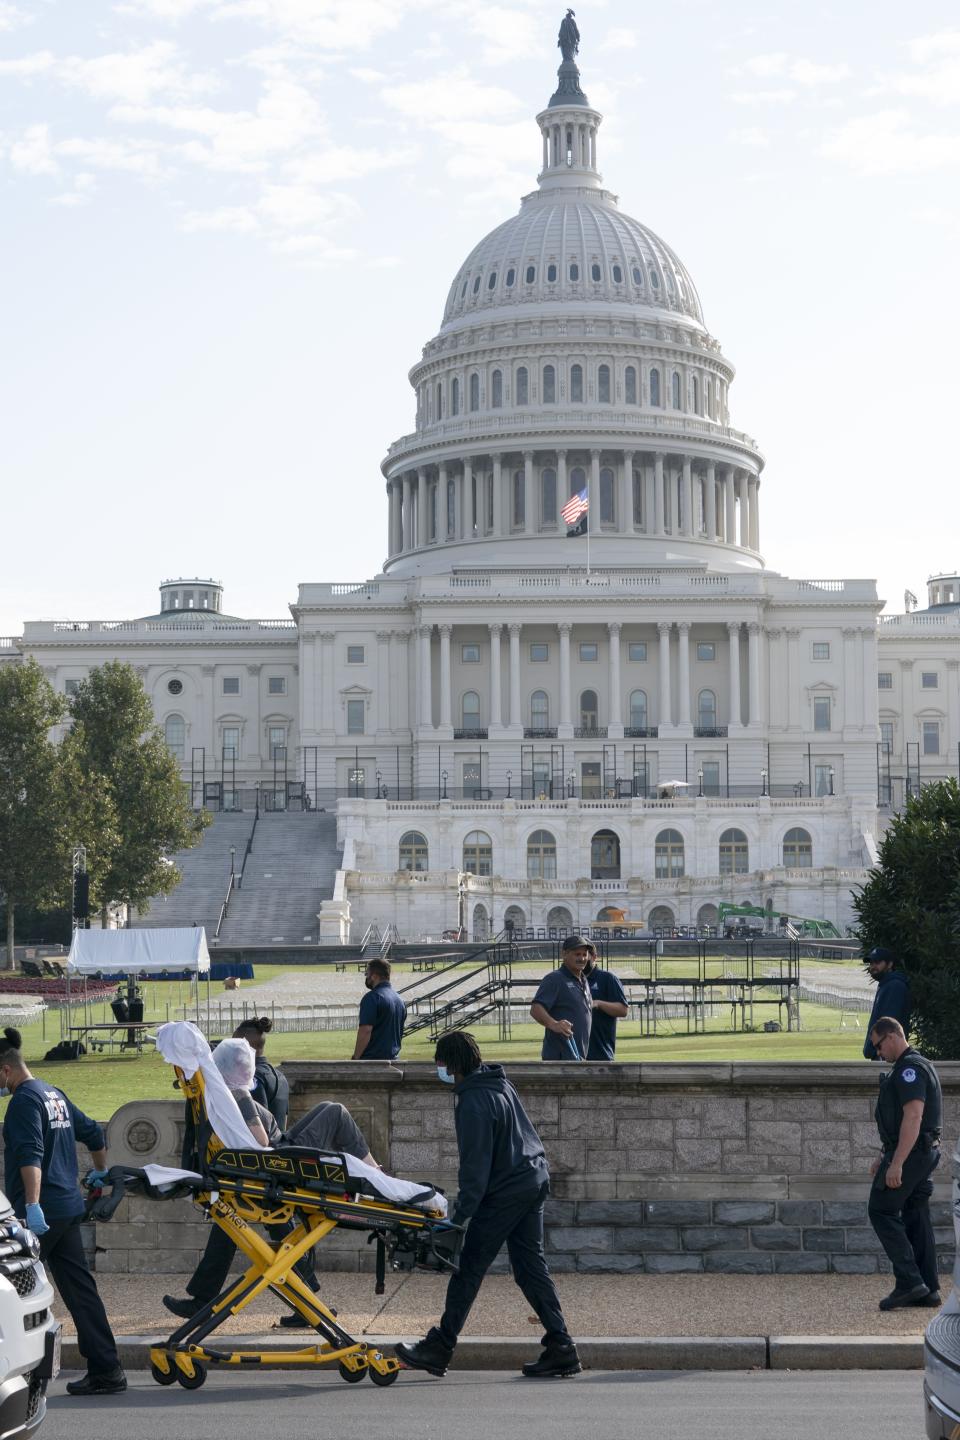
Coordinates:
115 742
911 904
35 840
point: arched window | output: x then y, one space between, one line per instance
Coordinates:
668 855
630 385
576 383
548 497
481 923
531 274
696 396
603 384
522 390
578 480
539 710
541 856
559 920
551 274
638 710
474 391
511 277
675 390
175 734
707 710
595 272
470 710
492 280
637 275
605 856
414 854
798 849
654 387
617 275
607 510
496 389
734 853
514 919
455 397
439 401
519 500
476 285
708 389
574 271
478 853
588 710
549 385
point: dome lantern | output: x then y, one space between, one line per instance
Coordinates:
569 124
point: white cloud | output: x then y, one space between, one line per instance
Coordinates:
162 9
12 16
886 143
752 136
793 70
102 154
620 38
26 66
807 72
783 96
31 152
444 98
344 162
367 76
332 24
132 76
504 31
237 219
764 66
84 186
938 79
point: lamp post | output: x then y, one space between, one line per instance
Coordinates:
443 777
831 779
509 780
700 782
571 781
233 857
379 786
763 782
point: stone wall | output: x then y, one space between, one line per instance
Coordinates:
750 1168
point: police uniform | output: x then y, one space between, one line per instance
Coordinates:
901 1216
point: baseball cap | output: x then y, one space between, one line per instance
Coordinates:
576 942
881 953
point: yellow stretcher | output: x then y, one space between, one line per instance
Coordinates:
314 1189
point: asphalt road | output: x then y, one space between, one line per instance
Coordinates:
614 1405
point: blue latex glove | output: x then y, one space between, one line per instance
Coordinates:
36 1220
93 1178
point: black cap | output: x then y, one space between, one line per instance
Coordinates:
881 953
576 942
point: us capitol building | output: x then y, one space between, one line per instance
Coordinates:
513 724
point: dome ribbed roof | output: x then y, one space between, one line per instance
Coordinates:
572 246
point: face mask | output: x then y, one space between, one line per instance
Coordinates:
444 1074
3 1091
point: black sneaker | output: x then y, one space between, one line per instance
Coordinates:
933 1301
555 1363
113 1384
186 1308
898 1299
424 1355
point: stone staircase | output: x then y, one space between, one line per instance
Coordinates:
290 870
205 870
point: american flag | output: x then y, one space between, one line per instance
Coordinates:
575 507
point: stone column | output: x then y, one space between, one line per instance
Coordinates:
326 680
753 638
468 515
445 705
383 681
711 500
729 495
392 521
423 507
565 674
407 506
497 496
593 514
753 512
401 673
733 626
793 679
658 527
870 714
531 517
426 686
777 679
562 482
683 679
443 506
615 718
688 523
744 536
665 713
626 519
515 675
649 505
496 701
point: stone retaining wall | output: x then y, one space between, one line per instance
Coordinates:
657 1168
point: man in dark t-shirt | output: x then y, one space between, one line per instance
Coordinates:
563 1004
382 1016
609 1006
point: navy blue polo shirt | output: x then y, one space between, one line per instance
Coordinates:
385 1011
566 997
41 1128
604 985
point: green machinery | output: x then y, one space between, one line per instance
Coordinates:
797 927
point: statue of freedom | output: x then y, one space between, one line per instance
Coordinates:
569 38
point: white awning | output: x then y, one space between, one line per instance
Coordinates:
138 952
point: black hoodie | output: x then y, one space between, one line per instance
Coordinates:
501 1156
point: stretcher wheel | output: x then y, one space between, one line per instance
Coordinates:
379 1378
351 1376
194 1381
163 1377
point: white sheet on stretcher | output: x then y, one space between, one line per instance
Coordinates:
181 1043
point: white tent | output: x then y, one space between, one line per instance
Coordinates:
138 952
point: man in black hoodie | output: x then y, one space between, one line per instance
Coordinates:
892 998
503 1184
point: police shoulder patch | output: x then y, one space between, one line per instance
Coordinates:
909 1074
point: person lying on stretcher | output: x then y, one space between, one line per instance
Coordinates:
327 1126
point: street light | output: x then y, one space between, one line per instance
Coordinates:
233 856
444 779
831 779
763 782
379 778
571 781
509 779
700 782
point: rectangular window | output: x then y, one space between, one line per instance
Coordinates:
539 652
821 712
590 780
706 650
641 776
470 654
355 716
355 654
821 779
589 651
277 685
71 687
821 650
929 680
637 650
231 685
541 777
886 736
278 741
231 742
931 737
471 778
711 777
884 680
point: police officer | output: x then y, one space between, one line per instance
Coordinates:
909 1114
609 1006
40 1133
892 997
503 1184
563 1004
382 1016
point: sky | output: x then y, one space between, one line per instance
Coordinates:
228 227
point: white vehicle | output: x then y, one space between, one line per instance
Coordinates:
29 1335
941 1350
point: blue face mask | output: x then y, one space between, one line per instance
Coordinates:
444 1074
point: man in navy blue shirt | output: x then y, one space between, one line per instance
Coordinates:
382 1016
563 1004
892 997
40 1133
609 1006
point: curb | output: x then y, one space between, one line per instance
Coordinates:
631 1352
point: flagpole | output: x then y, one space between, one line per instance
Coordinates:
587 518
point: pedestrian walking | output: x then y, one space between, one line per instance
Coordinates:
909 1115
503 1185
609 1006
382 1016
40 1133
563 1004
892 997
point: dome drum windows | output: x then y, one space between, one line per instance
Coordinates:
574 271
596 274
549 385
617 274
522 386
474 391
492 281
548 498
511 278
630 385
655 388
576 384
531 274
675 391
551 274
603 384
455 396
496 390
476 285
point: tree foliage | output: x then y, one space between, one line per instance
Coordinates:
912 905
